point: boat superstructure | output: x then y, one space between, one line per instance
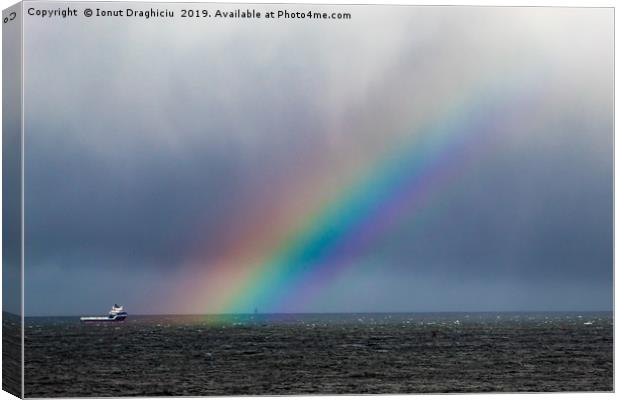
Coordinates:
116 314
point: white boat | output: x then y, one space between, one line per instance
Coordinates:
116 314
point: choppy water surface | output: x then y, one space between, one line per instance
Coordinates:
12 353
326 353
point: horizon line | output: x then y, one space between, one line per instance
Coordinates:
331 313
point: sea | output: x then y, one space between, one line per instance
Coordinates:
290 354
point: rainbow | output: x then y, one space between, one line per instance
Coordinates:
285 260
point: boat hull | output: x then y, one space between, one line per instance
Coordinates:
116 318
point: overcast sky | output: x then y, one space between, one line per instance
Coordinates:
154 147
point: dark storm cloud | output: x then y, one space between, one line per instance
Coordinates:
139 202
146 147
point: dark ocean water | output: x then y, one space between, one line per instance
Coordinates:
12 353
320 353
